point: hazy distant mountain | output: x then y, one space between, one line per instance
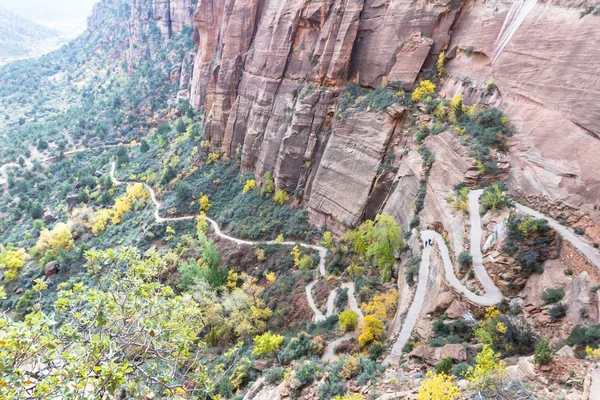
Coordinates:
22 38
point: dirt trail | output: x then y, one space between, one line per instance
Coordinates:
491 296
318 315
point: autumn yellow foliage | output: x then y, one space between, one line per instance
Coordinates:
371 330
12 260
123 204
425 87
281 196
250 185
382 305
59 238
204 204
438 387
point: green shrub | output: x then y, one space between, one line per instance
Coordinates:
375 351
493 197
411 270
558 312
436 342
183 191
444 366
543 354
298 347
460 369
465 260
226 388
368 370
274 375
584 336
306 375
553 295
341 298
415 222
330 389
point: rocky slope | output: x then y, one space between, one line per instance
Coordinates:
269 75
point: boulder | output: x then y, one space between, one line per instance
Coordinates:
433 355
261 365
456 351
565 352
72 200
524 370
19 291
456 310
49 218
51 268
441 304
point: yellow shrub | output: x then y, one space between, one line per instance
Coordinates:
99 220
260 254
12 260
58 238
350 396
137 191
371 330
270 276
204 204
349 368
348 320
213 157
382 305
250 185
425 87
281 196
122 206
438 387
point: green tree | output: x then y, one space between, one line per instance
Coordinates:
543 354
180 126
183 190
385 242
127 335
144 147
36 210
268 185
327 241
122 156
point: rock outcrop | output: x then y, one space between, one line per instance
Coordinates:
268 75
433 355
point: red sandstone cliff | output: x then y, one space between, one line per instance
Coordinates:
268 74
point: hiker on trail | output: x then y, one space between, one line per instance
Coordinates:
430 242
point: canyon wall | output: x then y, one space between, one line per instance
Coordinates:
269 75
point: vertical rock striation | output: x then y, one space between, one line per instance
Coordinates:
269 75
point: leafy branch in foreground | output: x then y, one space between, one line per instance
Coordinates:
129 335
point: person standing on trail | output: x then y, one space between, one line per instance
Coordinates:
430 242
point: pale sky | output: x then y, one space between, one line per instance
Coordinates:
50 9
67 16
